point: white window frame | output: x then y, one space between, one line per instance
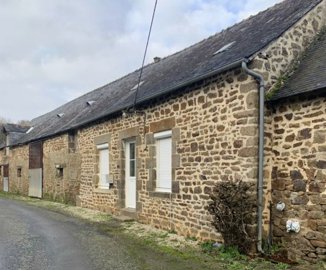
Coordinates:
158 137
104 182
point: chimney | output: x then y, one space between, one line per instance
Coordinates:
157 59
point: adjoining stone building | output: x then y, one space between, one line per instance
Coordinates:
154 150
298 147
12 133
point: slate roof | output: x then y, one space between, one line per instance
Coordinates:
311 73
8 128
15 133
176 71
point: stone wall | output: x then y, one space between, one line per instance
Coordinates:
299 175
282 57
2 161
216 126
18 170
284 54
214 134
61 168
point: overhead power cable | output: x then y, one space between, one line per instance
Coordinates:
144 58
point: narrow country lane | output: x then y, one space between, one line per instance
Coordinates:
34 238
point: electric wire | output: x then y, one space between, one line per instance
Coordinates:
144 57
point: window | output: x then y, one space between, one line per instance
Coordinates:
59 172
163 142
103 166
72 141
132 160
19 172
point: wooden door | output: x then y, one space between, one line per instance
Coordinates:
35 169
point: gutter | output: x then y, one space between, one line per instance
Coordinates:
260 180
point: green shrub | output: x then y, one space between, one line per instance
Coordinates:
232 206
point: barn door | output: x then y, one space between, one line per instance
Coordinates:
35 169
6 178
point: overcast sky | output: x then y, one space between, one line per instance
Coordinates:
52 51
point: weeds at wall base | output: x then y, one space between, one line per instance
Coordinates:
231 259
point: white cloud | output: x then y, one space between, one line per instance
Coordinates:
53 51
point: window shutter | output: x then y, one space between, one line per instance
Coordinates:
104 167
164 164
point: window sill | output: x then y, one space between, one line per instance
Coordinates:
102 190
161 194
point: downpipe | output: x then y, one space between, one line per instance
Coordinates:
260 182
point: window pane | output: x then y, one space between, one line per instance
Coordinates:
132 150
132 168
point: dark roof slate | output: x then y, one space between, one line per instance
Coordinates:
8 128
311 73
15 133
173 72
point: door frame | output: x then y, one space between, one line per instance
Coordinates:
35 171
130 188
5 177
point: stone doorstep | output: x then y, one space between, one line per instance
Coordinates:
127 214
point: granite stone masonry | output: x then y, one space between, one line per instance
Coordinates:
18 170
61 165
205 125
299 175
2 162
213 129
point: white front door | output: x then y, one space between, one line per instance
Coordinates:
5 184
6 178
130 174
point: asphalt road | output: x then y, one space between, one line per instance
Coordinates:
35 238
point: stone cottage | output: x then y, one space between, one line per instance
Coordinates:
153 149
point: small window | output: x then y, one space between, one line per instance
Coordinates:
136 86
72 141
90 102
163 143
19 172
104 181
225 48
59 172
30 130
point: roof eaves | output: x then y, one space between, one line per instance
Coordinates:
228 67
306 93
234 65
